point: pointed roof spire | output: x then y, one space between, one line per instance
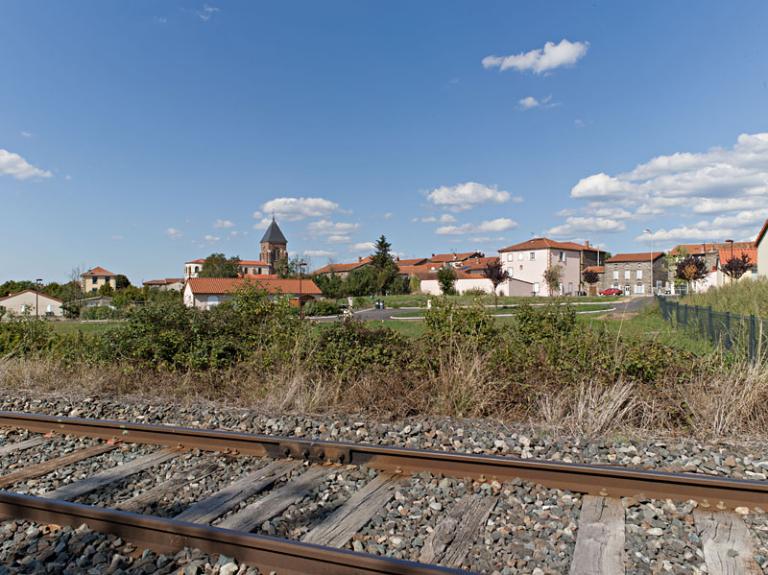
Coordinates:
274 234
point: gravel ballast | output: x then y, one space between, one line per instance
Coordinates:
531 529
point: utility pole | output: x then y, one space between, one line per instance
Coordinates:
650 236
38 285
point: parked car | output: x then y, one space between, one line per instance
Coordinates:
611 291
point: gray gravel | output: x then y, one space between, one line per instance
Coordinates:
56 446
531 529
33 548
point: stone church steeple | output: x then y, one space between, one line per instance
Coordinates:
274 246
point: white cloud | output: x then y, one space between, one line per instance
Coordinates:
541 60
262 224
577 225
294 209
339 239
363 247
682 184
609 212
25 134
173 233
206 12
211 238
467 195
17 167
442 218
118 237
319 253
388 215
327 227
223 224
489 226
530 102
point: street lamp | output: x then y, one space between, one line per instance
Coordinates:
38 285
301 264
650 238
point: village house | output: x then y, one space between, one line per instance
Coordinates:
454 259
761 244
166 284
32 303
528 261
712 255
206 293
594 288
92 280
274 247
636 273
732 250
342 270
465 282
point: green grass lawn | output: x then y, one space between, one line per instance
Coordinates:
84 327
420 300
506 309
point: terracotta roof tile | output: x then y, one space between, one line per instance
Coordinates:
453 257
97 271
636 257
726 253
544 243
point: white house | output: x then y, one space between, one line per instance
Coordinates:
193 268
33 303
206 293
529 260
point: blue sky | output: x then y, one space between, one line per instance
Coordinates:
137 135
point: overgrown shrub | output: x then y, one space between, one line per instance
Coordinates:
321 308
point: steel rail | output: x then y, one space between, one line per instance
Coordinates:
612 481
163 535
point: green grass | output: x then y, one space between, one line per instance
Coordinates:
747 297
84 327
420 300
649 325
503 310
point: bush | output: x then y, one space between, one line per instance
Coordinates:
321 308
100 312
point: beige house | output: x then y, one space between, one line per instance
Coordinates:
92 280
32 303
193 268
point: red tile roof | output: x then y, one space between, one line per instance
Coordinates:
726 253
694 249
97 271
42 295
596 269
544 243
637 257
411 262
341 268
453 257
479 263
217 286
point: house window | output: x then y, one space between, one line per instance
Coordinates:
536 287
521 266
626 274
615 274
94 279
520 256
561 257
510 257
532 256
639 274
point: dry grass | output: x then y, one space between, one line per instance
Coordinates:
724 402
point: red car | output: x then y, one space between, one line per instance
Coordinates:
611 291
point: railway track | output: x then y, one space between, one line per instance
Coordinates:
286 470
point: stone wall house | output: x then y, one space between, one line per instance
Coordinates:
165 284
631 273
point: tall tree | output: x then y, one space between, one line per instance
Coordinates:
219 266
737 266
552 277
446 277
330 284
122 282
590 277
497 274
384 264
691 269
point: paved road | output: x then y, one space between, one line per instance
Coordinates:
628 305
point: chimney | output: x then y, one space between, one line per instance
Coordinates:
586 243
359 259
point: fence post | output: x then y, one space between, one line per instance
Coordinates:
752 338
727 338
710 325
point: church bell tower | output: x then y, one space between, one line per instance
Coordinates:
273 245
